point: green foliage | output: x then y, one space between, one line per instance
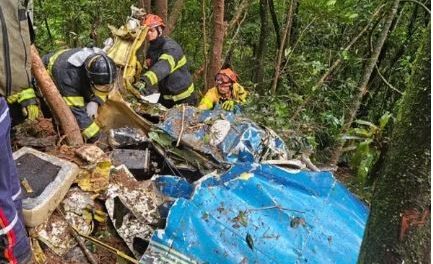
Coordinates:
366 140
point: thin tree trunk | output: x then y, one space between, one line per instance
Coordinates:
362 86
275 22
204 67
336 63
146 4
217 40
281 49
55 101
398 229
261 48
174 15
161 7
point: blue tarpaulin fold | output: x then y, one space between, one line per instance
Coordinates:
257 213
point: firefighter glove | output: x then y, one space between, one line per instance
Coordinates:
27 99
92 109
228 105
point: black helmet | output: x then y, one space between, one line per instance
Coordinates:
100 69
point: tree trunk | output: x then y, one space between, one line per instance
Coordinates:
217 40
398 229
275 22
261 48
362 86
55 101
146 4
281 49
161 9
205 51
174 15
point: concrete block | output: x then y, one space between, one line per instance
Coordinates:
49 179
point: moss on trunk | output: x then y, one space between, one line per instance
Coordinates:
402 193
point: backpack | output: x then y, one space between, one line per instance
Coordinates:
15 60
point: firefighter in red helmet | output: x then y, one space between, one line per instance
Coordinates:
167 67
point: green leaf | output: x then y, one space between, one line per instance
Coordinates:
331 2
367 123
383 121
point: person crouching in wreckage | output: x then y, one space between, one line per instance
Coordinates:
227 94
167 67
84 77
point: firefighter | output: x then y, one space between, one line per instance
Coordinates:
167 67
84 78
227 93
14 87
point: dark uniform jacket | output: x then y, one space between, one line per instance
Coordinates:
168 70
75 88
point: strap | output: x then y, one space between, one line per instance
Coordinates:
182 95
9 227
91 130
53 59
74 100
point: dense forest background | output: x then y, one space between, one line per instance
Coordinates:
326 75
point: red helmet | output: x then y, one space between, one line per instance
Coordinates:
229 73
153 21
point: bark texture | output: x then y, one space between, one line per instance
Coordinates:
398 230
217 41
55 101
161 9
174 15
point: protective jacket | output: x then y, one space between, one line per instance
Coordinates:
213 97
67 69
168 70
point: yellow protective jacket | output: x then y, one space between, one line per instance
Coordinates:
213 97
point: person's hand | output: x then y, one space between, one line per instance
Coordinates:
228 105
27 99
140 86
92 109
32 112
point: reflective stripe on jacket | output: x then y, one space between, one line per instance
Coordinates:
168 69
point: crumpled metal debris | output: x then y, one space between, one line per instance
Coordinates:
55 231
126 137
97 179
133 209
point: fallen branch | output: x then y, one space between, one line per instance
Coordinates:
51 94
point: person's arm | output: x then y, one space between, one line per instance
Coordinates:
171 59
209 99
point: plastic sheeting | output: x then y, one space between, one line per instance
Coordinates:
240 140
259 214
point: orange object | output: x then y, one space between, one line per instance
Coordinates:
229 73
153 21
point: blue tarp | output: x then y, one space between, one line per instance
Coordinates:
259 214
245 141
